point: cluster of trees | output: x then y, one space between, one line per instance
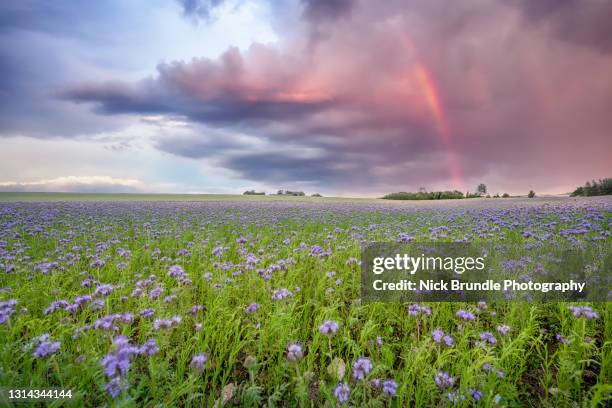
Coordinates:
594 188
291 193
281 192
425 195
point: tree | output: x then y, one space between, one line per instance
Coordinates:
481 189
505 195
531 194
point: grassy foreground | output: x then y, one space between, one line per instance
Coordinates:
253 303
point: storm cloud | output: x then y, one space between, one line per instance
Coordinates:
431 93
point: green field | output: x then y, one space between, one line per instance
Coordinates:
88 269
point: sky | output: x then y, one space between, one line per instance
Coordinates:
338 97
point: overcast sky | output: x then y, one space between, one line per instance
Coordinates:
341 97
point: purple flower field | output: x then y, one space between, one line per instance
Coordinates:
257 303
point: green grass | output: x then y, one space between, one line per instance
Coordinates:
538 369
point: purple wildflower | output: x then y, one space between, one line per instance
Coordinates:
390 388
294 352
253 307
342 393
444 380
437 335
584 311
115 387
199 361
329 328
462 314
448 341
280 294
503 329
7 309
361 368
488 337
45 347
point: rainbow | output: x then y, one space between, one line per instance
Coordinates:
434 103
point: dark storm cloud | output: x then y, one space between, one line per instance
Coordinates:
371 95
394 94
199 8
317 10
213 92
587 23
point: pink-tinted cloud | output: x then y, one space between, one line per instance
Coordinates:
400 96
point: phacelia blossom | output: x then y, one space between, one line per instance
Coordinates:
44 347
342 393
7 308
390 388
280 294
437 335
415 309
476 394
294 352
361 368
166 324
444 380
199 361
253 307
467 316
329 328
503 329
584 312
488 337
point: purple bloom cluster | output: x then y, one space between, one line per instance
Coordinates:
294 352
199 361
389 387
329 328
444 380
342 393
166 324
488 337
361 368
117 362
465 315
44 346
7 309
252 308
415 309
439 336
108 322
584 312
280 294
503 329
177 272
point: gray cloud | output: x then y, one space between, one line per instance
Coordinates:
199 9
387 95
586 23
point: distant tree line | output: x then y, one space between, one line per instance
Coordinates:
594 188
253 192
291 193
425 195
